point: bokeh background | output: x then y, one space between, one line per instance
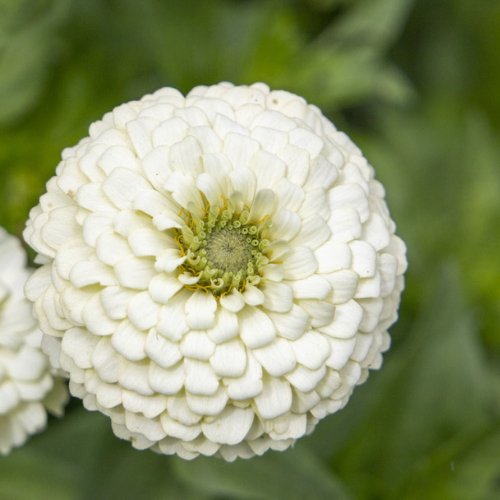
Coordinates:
416 83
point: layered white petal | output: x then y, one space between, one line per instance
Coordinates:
218 272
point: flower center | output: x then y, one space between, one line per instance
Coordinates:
223 249
229 250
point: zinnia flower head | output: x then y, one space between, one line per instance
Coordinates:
27 387
219 270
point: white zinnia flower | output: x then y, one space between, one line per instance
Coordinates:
27 387
220 269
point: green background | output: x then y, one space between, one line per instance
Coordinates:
416 84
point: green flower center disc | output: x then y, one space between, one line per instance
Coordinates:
223 250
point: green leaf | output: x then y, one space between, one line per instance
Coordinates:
29 475
291 475
376 23
28 46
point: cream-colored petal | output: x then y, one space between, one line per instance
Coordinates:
256 328
200 310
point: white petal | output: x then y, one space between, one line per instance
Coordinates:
369 288
344 284
178 409
155 167
139 131
129 341
79 345
363 258
286 225
184 192
290 195
186 155
226 326
278 296
159 207
95 317
162 287
200 310
363 345
253 296
273 272
375 232
264 204
256 329
229 359
230 427
127 221
315 203
320 312
149 242
274 120
106 361
177 430
169 260
61 227
313 287
163 352
169 132
110 247
268 168
141 425
345 225
292 324
108 395
277 358
207 138
322 173
115 299
116 157
350 196
346 321
313 233
306 380
372 309
200 378
142 311
122 187
233 302
94 225
92 197
134 272
243 181
307 140
197 345
297 163
209 186
172 322
340 352
208 405
303 402
166 381
299 263
387 265
275 399
247 386
311 350
240 149
38 282
149 406
333 256
288 426
91 272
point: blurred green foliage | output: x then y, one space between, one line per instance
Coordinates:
415 82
